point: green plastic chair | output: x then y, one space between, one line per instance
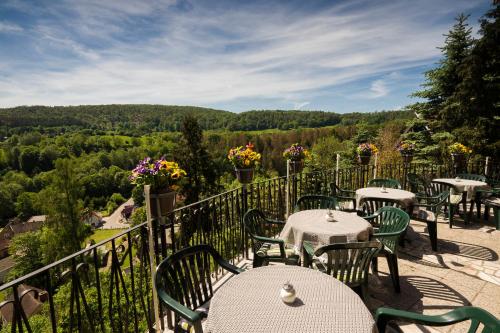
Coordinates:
266 249
315 201
347 262
346 199
476 315
418 184
454 199
184 284
392 224
428 212
476 201
386 182
472 176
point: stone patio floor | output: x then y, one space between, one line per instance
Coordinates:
465 271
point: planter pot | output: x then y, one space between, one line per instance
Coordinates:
407 158
364 159
296 166
245 176
162 203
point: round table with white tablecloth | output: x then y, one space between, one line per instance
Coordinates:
312 225
406 198
463 185
250 302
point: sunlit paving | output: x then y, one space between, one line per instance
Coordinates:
226 166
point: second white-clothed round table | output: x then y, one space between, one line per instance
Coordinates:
250 302
311 225
406 198
463 185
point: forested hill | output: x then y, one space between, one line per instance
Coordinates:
139 119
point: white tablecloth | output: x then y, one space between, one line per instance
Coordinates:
311 225
250 302
405 197
463 185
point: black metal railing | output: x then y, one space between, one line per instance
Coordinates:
107 287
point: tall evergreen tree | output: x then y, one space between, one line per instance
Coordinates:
63 232
193 157
443 80
478 95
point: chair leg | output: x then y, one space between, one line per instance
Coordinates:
496 212
392 262
257 261
375 265
450 215
478 205
432 229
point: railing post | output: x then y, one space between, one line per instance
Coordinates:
487 166
244 208
152 257
287 194
375 166
337 171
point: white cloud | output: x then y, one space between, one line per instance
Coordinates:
210 54
378 89
10 27
300 105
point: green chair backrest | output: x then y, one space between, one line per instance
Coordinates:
313 201
369 205
387 182
471 176
186 275
392 220
436 188
349 262
417 183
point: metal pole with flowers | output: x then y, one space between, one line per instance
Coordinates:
295 156
459 154
365 152
160 180
406 149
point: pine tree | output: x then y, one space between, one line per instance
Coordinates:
443 80
193 157
477 97
63 232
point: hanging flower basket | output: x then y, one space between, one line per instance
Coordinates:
296 166
364 159
244 176
162 202
407 158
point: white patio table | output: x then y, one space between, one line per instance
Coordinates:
408 199
250 302
463 185
312 225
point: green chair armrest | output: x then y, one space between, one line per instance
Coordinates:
269 240
372 217
386 234
384 315
183 311
274 221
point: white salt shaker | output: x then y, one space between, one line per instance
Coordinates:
287 293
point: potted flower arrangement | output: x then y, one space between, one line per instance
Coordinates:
458 152
164 177
296 154
406 149
244 160
365 151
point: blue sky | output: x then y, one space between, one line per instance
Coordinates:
341 56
